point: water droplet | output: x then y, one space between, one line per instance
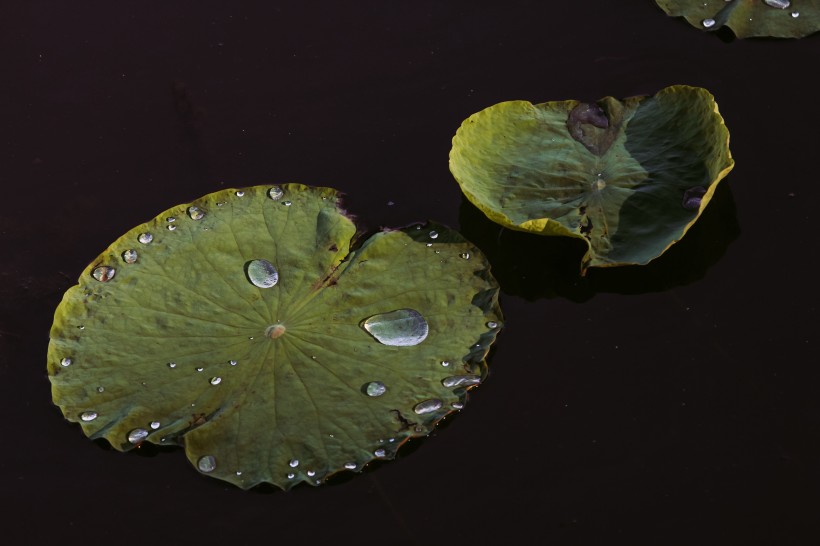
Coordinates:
380 452
66 362
291 475
206 463
400 328
287 203
795 14
276 193
457 405
81 327
311 473
100 389
350 466
171 219
427 406
391 440
129 256
88 416
445 363
172 364
232 362
216 380
238 472
429 244
240 194
708 23
779 4
465 255
200 368
220 204
261 273
171 227
104 273
293 463
492 324
195 213
137 435
692 197
145 238
434 234
375 388
461 380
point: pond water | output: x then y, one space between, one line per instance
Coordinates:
670 404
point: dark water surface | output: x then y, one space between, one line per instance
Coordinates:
672 404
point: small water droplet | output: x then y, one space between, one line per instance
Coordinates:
457 405
461 380
171 227
232 362
129 256
311 473
445 363
795 14
380 452
104 273
291 475
88 416
599 184
276 193
262 273
434 234
172 364
66 362
293 463
238 472
200 368
287 203
240 194
100 389
400 328
692 197
206 463
350 466
375 388
81 327
195 213
145 238
137 435
492 324
429 244
427 406
708 23
465 255
391 440
216 380
155 425
779 4
171 219
220 204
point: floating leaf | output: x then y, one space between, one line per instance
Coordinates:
254 335
749 18
628 177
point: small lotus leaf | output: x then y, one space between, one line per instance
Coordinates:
627 177
749 18
237 327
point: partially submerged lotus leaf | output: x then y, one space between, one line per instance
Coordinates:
749 18
247 328
627 177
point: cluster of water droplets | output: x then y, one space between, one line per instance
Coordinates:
710 22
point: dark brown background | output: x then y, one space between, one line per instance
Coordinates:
674 404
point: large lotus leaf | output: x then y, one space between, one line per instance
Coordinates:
245 327
749 18
627 177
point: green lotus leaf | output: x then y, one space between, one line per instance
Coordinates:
628 177
252 329
749 18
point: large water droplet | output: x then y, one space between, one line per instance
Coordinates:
137 435
434 234
779 4
461 380
145 238
104 273
206 463
427 406
375 388
261 273
399 328
155 425
129 256
195 213
88 416
795 14
350 466
311 473
66 362
216 380
708 23
293 463
276 193
692 197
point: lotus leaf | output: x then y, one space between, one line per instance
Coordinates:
749 18
253 329
627 177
